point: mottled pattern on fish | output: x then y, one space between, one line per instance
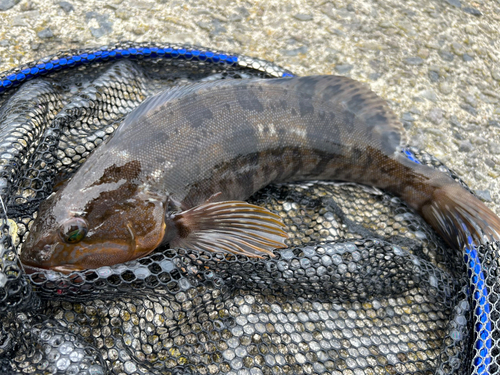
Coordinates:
231 138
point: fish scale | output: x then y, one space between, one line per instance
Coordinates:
226 133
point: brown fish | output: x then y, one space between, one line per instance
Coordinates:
177 168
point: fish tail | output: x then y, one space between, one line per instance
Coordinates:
460 218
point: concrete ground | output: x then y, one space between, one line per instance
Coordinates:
435 61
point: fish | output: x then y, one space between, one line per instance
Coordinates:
178 169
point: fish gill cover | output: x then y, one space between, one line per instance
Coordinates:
365 286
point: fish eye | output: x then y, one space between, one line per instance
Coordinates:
74 230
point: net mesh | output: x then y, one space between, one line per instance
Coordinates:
365 286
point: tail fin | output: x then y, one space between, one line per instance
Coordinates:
460 218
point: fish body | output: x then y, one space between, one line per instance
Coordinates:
178 167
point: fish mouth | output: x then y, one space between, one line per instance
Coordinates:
38 253
68 259
30 270
66 269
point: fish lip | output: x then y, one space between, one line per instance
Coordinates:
29 269
66 269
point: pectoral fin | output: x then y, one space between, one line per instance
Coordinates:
232 227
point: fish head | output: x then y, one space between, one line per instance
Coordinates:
101 225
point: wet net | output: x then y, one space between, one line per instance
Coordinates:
365 287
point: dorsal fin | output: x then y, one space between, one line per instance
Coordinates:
356 107
157 102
